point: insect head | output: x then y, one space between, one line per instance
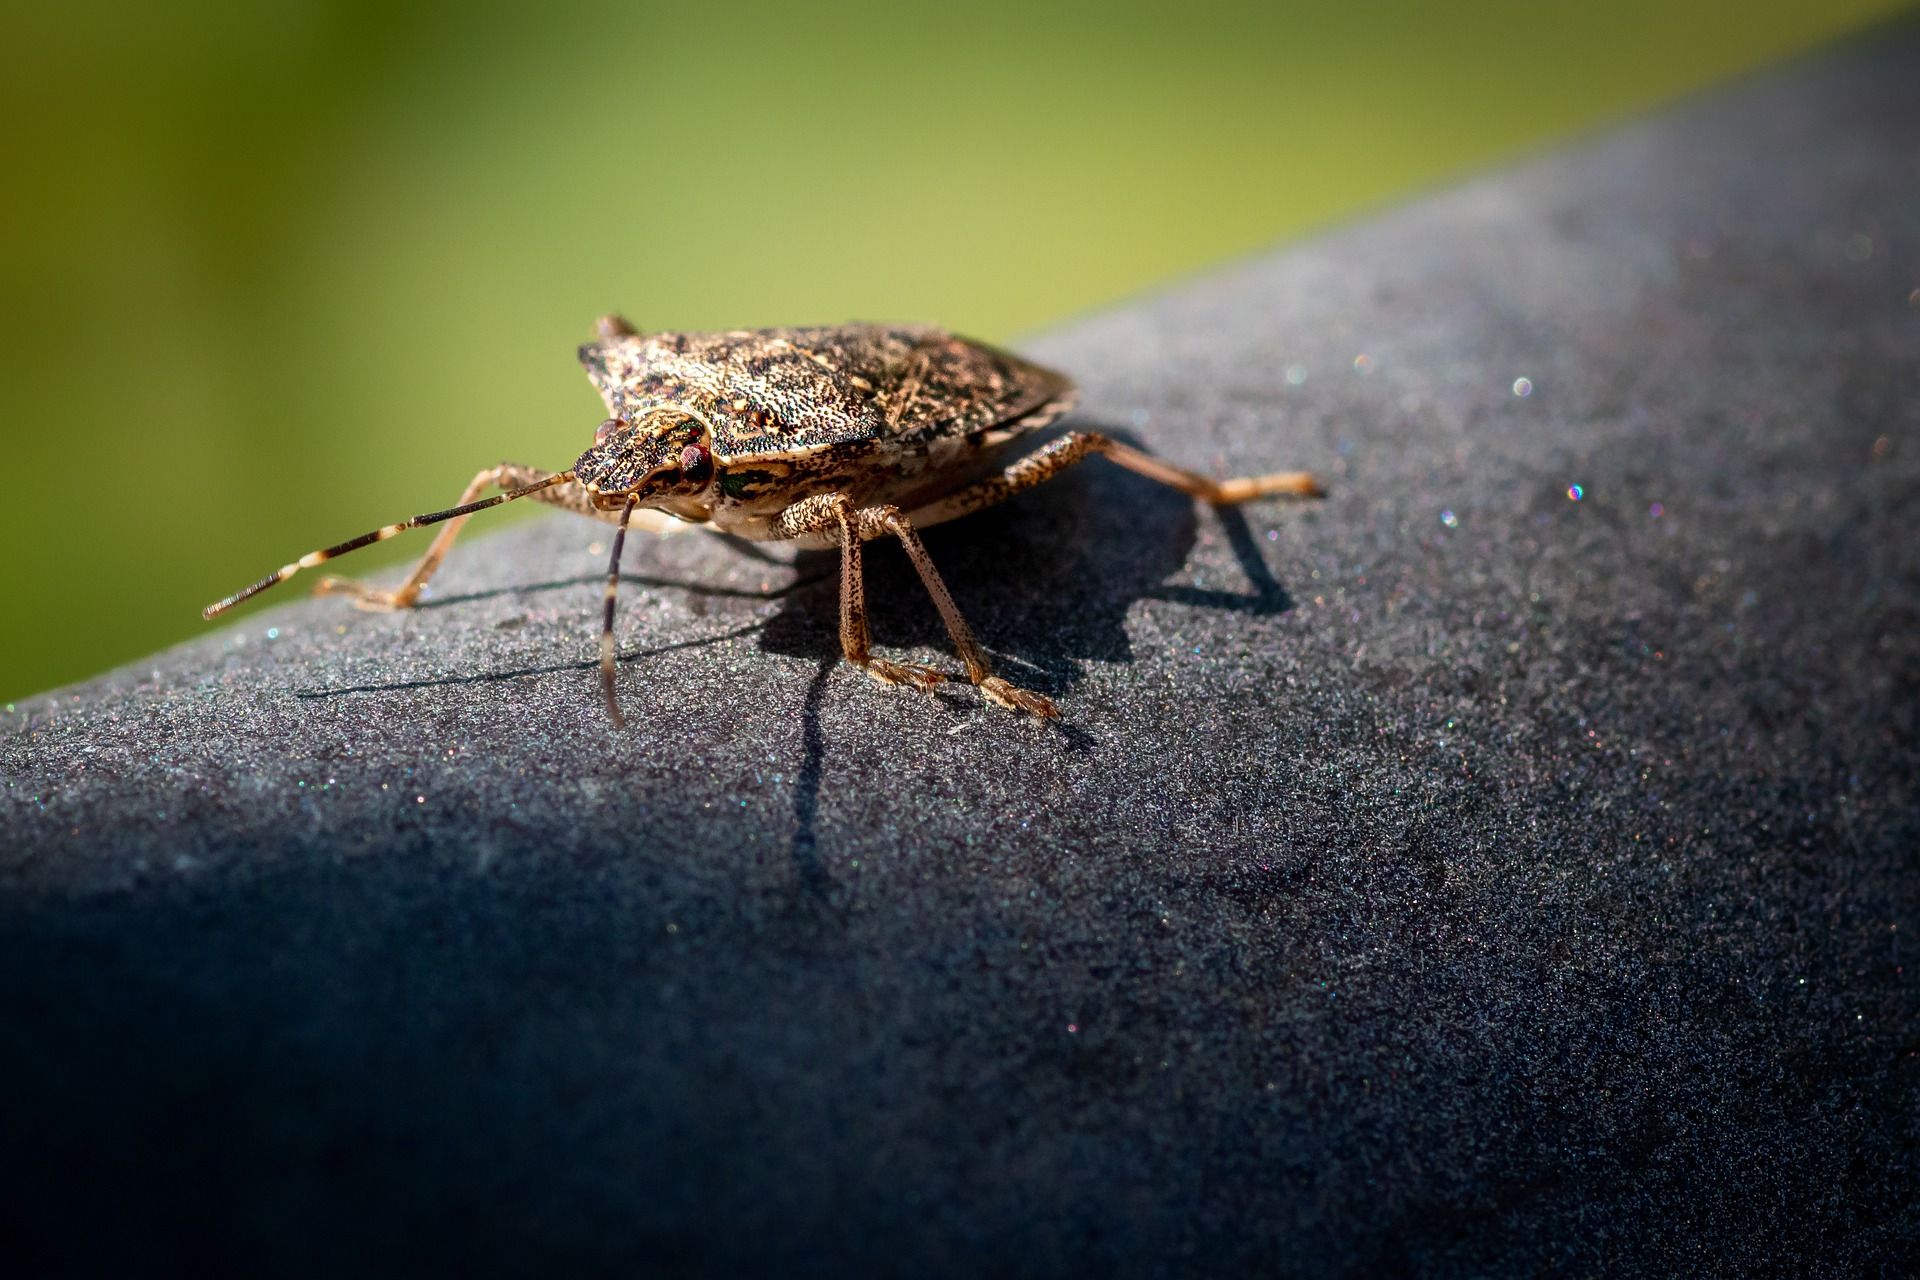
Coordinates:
664 453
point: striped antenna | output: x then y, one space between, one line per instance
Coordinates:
381 534
606 626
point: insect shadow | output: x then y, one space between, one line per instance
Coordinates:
1045 580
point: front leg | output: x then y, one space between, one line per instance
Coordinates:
835 513
569 495
453 517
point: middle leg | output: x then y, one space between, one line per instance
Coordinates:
836 512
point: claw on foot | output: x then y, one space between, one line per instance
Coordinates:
363 596
924 678
1000 693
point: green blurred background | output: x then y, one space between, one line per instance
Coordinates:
277 273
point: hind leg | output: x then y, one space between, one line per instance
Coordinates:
1055 456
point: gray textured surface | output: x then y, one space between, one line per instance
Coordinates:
1531 889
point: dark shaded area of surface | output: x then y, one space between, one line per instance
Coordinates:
1450 876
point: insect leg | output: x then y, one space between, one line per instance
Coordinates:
834 512
1055 456
508 475
606 625
875 521
534 484
1297 484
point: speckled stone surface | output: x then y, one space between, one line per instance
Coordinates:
1450 876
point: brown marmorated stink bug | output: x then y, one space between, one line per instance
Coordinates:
822 437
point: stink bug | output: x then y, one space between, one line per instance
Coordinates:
823 437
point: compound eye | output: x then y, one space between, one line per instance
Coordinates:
696 464
605 429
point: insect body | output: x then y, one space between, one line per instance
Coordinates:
828 436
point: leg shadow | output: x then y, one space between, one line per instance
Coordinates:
489 677
1268 597
691 587
806 790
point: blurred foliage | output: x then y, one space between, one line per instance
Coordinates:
278 272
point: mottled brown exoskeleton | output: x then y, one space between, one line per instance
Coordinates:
823 437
